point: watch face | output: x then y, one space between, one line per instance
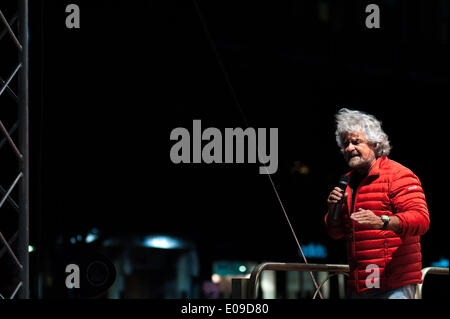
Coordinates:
384 218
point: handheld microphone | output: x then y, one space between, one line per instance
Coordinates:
343 182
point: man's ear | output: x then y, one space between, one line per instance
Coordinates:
374 146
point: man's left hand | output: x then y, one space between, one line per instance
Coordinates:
368 218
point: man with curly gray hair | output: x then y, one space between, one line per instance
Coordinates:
383 212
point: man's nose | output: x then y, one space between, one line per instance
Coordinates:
350 147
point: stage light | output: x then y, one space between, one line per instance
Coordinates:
315 251
304 170
90 238
242 268
73 240
31 249
299 168
215 278
162 242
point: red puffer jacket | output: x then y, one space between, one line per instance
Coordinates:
389 188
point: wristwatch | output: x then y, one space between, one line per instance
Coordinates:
385 219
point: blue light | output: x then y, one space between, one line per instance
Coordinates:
443 262
90 238
315 251
162 242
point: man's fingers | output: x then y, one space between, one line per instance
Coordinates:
359 216
360 220
362 217
335 196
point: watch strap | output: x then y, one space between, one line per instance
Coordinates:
386 222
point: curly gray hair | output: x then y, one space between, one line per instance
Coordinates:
351 121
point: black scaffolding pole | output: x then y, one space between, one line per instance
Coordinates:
15 246
24 149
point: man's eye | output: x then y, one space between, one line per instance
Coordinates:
354 142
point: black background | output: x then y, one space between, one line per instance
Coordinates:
105 97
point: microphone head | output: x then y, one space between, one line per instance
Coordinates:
343 181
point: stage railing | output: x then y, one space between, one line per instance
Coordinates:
247 288
430 271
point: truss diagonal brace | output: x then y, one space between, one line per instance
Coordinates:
10 132
11 21
2 238
10 251
11 92
5 85
10 200
16 290
10 242
8 137
20 284
10 189
11 32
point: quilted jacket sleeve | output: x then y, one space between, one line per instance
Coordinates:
409 204
335 232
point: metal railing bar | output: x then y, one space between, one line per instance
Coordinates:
9 90
5 85
10 241
333 268
8 248
431 271
16 290
11 142
10 189
254 277
11 32
10 22
323 282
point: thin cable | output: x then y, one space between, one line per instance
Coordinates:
220 62
233 93
292 230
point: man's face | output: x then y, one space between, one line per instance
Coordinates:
358 153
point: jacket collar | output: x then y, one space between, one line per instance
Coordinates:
375 170
373 174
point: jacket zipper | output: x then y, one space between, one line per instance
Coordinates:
354 192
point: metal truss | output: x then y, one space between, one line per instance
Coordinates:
14 248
